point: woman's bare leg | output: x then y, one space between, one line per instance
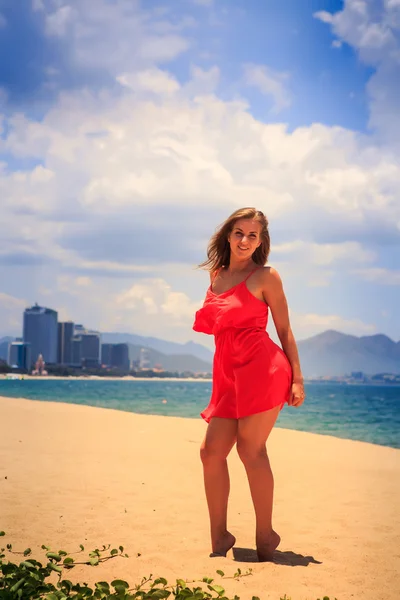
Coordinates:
253 432
218 442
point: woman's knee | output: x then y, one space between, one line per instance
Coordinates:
213 452
250 451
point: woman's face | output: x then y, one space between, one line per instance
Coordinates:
245 238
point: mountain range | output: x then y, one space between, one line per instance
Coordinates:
330 353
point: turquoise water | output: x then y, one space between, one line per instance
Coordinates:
358 412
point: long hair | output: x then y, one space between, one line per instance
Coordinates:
218 250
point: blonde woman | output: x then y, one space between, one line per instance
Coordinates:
252 376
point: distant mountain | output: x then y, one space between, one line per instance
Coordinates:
161 345
335 353
330 353
171 362
4 341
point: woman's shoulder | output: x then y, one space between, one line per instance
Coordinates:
268 273
269 278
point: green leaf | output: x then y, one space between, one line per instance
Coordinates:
216 588
68 561
52 596
113 552
53 555
17 585
62 553
120 583
27 563
161 580
54 567
121 548
66 584
27 551
255 598
207 579
2 533
221 573
81 547
103 586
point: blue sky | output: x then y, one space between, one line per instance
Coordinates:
130 130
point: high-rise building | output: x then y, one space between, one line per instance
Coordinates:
106 358
90 348
65 335
19 355
40 331
76 351
120 356
115 355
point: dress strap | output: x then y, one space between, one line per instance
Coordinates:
251 273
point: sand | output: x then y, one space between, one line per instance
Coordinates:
76 474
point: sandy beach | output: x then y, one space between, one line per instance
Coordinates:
75 474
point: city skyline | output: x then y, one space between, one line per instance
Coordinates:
46 340
128 135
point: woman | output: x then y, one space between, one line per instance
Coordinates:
252 376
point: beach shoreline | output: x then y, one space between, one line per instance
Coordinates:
101 378
105 378
74 474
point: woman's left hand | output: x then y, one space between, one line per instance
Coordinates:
297 395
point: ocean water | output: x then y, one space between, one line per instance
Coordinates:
358 412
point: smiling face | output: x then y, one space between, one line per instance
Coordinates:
245 238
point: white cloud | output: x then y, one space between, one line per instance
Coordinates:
131 181
153 80
379 275
305 325
9 302
203 2
117 37
373 29
270 83
105 158
325 254
11 309
57 22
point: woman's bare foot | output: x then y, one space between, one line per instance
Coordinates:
223 545
266 548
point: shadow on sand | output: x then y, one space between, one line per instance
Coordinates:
288 558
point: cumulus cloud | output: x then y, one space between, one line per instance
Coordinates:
311 324
114 36
270 83
379 275
114 186
11 309
373 29
121 178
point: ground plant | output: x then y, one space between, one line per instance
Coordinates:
30 579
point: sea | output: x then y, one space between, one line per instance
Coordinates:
368 413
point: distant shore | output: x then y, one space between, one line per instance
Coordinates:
21 376
100 378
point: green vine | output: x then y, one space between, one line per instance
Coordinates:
29 580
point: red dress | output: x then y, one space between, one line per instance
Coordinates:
251 373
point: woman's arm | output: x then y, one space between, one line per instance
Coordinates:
274 296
